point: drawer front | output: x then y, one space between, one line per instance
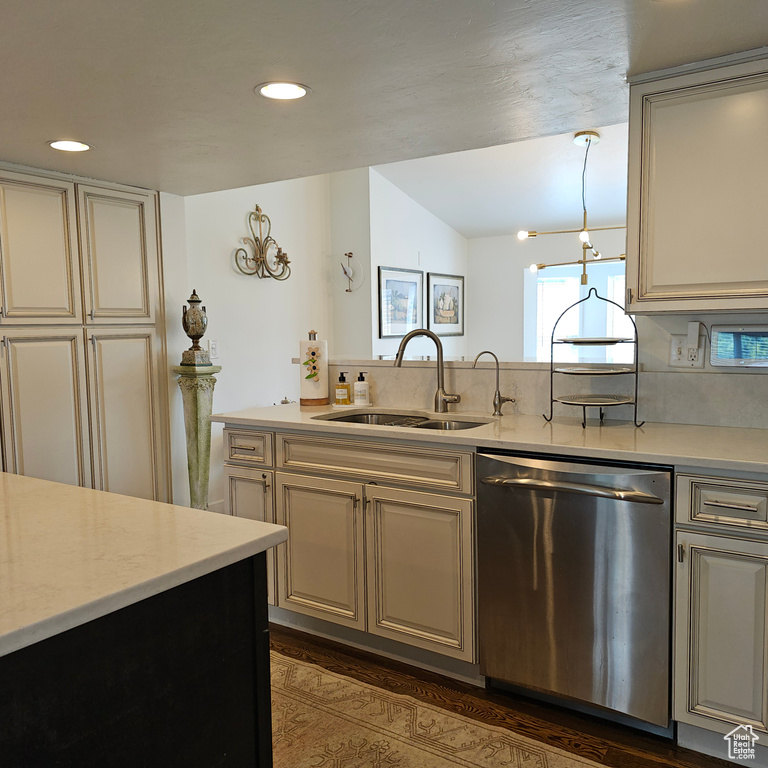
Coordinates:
425 467
247 447
739 503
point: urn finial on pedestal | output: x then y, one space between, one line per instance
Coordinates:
194 322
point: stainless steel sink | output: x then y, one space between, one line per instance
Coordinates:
448 424
413 419
384 419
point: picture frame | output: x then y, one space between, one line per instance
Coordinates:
401 301
445 304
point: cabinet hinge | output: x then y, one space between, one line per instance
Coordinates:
629 296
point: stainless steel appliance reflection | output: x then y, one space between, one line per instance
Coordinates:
574 581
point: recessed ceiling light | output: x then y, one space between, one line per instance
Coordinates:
274 90
69 146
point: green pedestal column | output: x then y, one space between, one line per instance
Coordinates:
196 383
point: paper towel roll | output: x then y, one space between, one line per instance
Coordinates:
313 362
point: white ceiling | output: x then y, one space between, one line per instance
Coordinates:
163 89
534 185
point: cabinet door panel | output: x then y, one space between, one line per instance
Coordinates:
249 493
419 560
321 566
124 412
722 615
38 251
118 243
696 201
45 421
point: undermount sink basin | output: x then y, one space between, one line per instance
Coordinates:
385 419
415 420
448 424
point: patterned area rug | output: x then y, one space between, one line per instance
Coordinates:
324 720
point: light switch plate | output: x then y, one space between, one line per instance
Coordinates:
679 352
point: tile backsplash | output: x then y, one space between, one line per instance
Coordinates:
736 399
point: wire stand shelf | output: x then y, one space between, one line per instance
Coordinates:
592 401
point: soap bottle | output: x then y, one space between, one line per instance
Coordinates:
342 390
362 390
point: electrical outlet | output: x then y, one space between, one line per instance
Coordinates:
682 357
213 349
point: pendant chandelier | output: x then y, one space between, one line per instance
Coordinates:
588 251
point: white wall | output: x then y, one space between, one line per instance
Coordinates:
258 323
177 290
406 235
351 232
497 268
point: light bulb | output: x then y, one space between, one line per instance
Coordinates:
596 254
522 234
584 236
534 268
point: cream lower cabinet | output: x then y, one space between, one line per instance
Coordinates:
419 567
249 493
320 568
393 562
721 677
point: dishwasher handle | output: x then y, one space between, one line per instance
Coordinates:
636 497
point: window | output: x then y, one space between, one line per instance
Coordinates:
557 288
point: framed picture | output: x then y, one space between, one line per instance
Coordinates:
445 298
401 301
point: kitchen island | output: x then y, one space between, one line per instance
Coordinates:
131 632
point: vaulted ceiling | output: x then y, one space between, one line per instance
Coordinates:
164 89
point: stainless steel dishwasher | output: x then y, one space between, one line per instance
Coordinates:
574 581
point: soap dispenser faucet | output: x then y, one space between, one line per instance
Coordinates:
442 398
498 398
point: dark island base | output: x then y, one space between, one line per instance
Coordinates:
178 679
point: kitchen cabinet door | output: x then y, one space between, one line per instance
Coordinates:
420 570
39 265
320 568
118 243
249 493
127 426
44 405
721 644
698 161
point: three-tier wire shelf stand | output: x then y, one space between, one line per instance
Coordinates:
585 401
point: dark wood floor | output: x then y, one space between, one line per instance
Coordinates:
589 737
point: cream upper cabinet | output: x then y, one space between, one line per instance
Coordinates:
697 196
126 430
44 405
248 493
419 568
721 633
39 265
320 568
118 244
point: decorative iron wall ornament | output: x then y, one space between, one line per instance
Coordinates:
267 259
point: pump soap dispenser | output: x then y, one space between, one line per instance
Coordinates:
362 390
342 390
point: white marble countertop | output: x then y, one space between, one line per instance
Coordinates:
728 448
69 555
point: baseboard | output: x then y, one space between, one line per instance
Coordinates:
715 745
432 662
